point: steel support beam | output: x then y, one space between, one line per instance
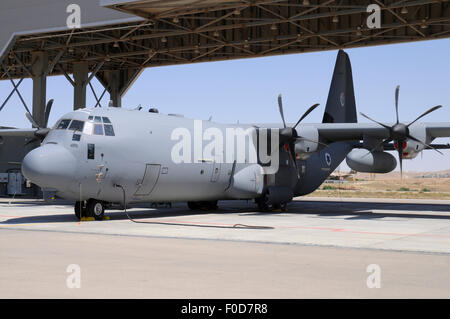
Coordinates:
80 79
39 72
117 82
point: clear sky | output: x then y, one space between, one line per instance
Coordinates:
246 90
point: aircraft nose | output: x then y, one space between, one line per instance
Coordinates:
49 166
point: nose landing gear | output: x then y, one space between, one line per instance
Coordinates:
91 208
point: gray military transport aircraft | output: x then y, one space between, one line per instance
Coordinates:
99 157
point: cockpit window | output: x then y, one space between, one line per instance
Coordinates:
76 125
63 124
109 130
94 126
98 129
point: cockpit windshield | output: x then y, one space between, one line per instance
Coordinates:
63 124
76 125
95 125
99 125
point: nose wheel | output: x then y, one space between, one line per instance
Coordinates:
80 210
91 208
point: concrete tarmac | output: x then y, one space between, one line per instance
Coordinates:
319 248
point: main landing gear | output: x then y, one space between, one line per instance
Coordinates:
91 208
204 205
263 205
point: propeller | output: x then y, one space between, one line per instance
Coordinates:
41 132
289 135
399 132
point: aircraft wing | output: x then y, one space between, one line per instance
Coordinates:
18 132
334 132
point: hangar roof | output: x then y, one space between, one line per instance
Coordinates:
187 31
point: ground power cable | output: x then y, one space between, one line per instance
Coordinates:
235 226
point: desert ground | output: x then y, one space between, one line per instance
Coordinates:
414 185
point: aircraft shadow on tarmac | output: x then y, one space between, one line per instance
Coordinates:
141 213
364 210
316 209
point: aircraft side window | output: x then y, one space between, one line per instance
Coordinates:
63 124
91 151
109 130
76 125
98 129
106 120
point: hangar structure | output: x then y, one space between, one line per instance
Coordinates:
116 40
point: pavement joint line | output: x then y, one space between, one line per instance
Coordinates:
404 251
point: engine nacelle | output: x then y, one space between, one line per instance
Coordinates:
361 160
410 147
304 148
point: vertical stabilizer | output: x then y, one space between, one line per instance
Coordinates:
341 106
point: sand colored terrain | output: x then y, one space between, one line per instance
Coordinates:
412 185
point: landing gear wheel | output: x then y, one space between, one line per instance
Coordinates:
211 205
193 205
204 205
262 204
80 209
95 209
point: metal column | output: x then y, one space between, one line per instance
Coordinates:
80 76
114 88
117 82
39 71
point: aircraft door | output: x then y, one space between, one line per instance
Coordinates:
148 182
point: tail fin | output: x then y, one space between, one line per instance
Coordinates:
341 106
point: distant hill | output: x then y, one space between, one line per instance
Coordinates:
396 175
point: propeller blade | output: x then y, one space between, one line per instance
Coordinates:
427 112
306 114
397 91
280 107
400 156
48 108
426 145
31 141
383 125
31 119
